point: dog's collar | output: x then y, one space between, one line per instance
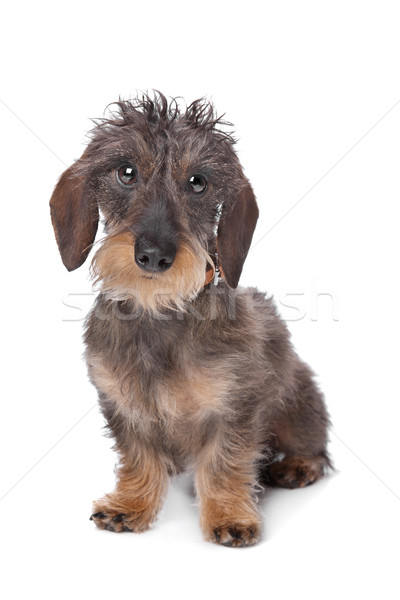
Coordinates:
213 272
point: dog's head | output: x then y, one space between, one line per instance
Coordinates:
172 193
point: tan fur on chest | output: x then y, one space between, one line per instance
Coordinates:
186 398
195 395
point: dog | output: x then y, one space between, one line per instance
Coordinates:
192 371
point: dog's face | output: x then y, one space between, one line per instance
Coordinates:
172 192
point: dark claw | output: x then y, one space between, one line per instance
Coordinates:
235 534
118 518
217 535
98 515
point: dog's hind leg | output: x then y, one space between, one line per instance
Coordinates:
300 432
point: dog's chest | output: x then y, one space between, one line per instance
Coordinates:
178 403
192 396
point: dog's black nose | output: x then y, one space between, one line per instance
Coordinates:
151 256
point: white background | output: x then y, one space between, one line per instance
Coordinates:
313 89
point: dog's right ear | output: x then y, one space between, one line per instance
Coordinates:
75 218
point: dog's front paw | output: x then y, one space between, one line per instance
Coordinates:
117 518
236 535
230 525
116 521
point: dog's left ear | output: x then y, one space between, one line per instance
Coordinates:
75 218
235 232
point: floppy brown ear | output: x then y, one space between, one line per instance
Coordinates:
235 232
75 218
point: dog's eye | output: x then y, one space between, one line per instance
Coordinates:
198 183
127 175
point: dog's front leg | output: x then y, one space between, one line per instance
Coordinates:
137 498
225 483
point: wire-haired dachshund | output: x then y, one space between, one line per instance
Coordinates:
192 371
